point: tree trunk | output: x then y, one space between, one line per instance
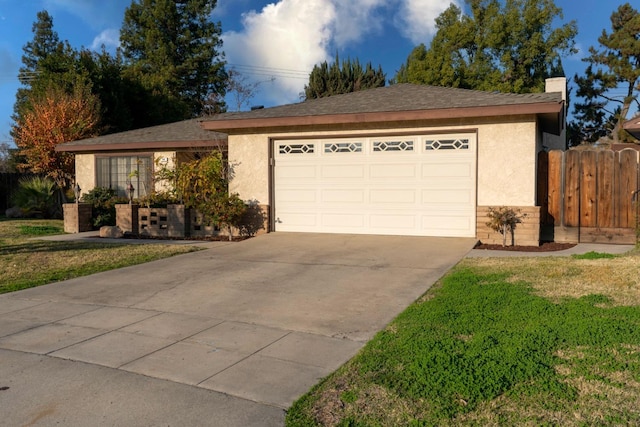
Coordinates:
504 235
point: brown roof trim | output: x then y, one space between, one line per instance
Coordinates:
633 124
633 127
390 116
373 134
79 148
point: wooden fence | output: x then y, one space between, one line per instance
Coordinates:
589 196
8 185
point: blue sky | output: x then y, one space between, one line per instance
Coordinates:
274 42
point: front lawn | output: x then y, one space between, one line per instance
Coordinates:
26 263
502 341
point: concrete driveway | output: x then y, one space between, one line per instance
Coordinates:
228 336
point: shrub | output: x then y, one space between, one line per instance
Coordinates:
158 199
36 197
203 184
103 201
504 220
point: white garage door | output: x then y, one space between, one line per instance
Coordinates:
409 185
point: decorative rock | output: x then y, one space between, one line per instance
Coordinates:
14 212
111 232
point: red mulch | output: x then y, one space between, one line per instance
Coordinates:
544 247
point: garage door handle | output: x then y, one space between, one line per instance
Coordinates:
278 221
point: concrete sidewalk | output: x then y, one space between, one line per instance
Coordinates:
227 336
580 248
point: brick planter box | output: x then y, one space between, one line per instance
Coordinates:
177 221
171 221
127 218
527 233
77 217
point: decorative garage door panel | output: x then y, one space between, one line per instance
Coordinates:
417 185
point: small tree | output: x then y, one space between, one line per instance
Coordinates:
504 220
203 185
56 117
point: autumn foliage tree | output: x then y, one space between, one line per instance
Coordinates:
55 117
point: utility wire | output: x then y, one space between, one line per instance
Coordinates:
269 71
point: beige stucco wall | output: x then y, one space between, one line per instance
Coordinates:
549 141
249 163
85 172
163 159
506 170
507 164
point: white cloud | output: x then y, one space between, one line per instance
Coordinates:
288 35
110 38
223 7
416 19
298 34
356 18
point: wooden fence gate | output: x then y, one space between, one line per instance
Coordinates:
589 196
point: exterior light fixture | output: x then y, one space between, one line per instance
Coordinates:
131 190
76 191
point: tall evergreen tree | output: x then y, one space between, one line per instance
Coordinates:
345 77
174 49
615 65
509 46
47 62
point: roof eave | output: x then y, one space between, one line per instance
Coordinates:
130 146
236 125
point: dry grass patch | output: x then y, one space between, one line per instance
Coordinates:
557 278
345 399
25 262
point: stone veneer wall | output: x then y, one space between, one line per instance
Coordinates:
199 227
527 233
176 221
77 217
127 218
171 221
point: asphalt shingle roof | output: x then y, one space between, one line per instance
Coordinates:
184 132
394 98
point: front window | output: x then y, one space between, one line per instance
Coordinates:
117 172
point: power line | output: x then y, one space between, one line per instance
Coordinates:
271 72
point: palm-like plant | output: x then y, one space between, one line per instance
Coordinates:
36 196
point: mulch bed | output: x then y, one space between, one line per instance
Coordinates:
544 247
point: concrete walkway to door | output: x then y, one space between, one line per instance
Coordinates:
231 335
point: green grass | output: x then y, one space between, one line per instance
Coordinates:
40 230
593 255
25 262
481 349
